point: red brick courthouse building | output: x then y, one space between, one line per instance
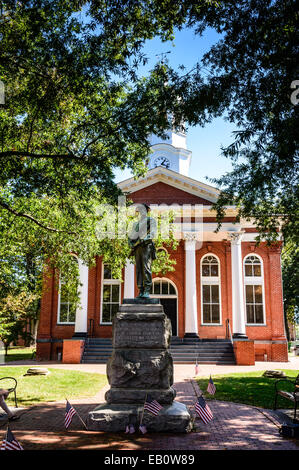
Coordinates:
224 287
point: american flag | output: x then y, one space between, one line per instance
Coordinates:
142 428
130 429
69 413
211 387
203 410
152 405
10 442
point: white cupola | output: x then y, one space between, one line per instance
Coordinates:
171 152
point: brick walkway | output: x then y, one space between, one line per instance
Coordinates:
234 427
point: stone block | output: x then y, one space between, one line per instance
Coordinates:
141 301
115 417
137 396
135 308
141 330
172 418
140 368
112 418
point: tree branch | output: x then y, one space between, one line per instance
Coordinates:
16 153
28 216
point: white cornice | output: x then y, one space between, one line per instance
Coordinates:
176 150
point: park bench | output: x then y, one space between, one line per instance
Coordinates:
289 390
12 388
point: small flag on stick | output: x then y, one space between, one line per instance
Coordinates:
69 413
10 442
142 428
152 406
211 387
203 410
130 429
196 368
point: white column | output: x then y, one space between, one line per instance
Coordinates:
81 312
238 305
191 327
129 287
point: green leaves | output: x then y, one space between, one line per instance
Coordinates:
76 109
15 311
254 64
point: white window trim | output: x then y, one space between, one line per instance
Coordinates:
161 248
109 282
58 310
213 280
161 279
254 281
59 296
168 296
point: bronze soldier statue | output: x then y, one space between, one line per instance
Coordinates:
143 248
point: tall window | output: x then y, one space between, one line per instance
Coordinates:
110 295
67 297
210 290
253 280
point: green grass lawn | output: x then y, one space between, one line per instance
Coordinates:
250 388
18 353
56 386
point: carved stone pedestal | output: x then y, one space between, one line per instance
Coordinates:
140 365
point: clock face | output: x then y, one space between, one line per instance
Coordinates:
162 161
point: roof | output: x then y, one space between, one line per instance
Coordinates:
174 179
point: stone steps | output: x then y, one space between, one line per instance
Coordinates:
183 351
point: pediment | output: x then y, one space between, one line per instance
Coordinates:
166 186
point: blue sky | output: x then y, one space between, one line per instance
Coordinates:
205 143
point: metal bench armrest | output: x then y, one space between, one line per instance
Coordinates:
12 389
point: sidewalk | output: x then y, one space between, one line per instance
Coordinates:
234 426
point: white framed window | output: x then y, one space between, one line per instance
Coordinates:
254 290
163 287
210 290
66 314
111 295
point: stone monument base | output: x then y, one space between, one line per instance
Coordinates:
115 418
140 368
136 397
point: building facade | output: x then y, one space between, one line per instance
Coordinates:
224 285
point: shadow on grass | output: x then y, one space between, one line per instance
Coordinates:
249 389
53 387
18 357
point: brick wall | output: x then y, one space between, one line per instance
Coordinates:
50 334
72 351
279 352
220 250
160 193
244 352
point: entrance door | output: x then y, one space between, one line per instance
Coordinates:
170 308
165 290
